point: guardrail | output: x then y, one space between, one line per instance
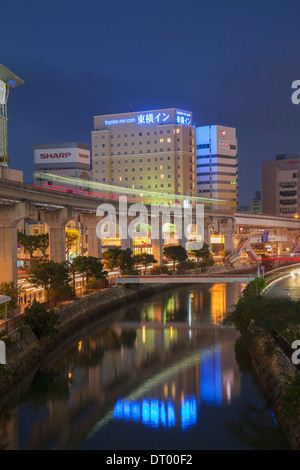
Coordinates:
12 324
272 275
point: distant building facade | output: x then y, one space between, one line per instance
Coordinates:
280 185
256 203
146 150
70 159
217 165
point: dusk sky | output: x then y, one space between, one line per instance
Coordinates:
229 62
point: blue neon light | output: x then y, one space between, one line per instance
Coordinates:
183 118
151 118
156 117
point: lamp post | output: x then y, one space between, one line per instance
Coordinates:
7 80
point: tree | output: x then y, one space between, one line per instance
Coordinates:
176 253
71 238
126 262
110 258
116 258
41 321
204 256
43 243
50 276
29 242
89 267
144 259
9 289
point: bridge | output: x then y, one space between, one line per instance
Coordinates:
56 209
228 278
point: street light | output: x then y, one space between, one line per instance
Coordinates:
7 80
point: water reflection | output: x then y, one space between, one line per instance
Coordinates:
165 365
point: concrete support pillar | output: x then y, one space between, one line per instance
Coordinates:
126 240
8 245
228 241
228 228
207 230
9 217
56 221
157 241
90 222
127 243
182 240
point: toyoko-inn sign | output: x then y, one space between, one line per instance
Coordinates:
164 116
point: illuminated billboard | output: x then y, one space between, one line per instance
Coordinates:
61 155
143 119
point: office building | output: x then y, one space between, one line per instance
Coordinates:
148 150
280 185
256 203
71 159
217 165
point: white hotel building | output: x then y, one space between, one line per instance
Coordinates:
148 150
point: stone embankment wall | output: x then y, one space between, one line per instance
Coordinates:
273 366
27 351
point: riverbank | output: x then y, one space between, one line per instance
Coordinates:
26 350
264 324
273 370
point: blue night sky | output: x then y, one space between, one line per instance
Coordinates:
229 62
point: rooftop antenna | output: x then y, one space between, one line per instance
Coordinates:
131 107
109 109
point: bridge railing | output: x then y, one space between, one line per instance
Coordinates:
12 324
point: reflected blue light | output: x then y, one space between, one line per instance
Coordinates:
188 412
211 377
273 416
155 413
126 409
163 415
145 411
171 414
135 411
118 409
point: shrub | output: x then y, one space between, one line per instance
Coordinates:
156 270
41 321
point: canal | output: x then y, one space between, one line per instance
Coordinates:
162 373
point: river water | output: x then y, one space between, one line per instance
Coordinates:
162 373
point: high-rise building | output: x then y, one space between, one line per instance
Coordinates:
149 150
217 165
280 185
